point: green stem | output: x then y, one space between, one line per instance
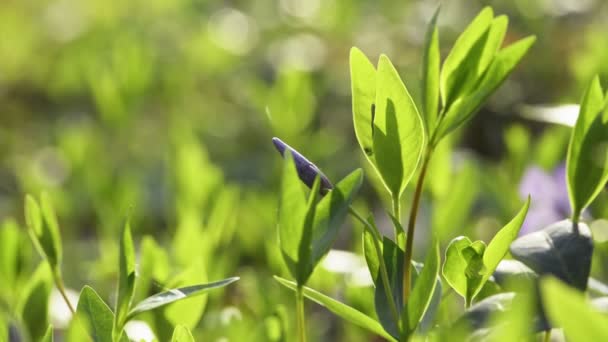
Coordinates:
547 335
399 233
300 314
411 226
59 283
383 271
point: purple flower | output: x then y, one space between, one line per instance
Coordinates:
549 192
307 171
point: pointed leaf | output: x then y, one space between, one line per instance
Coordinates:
430 74
568 309
398 130
346 312
363 83
168 297
43 229
455 265
97 314
562 249
587 165
126 276
305 264
182 334
424 287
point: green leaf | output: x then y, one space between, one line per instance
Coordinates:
466 50
499 246
126 277
97 314
568 309
35 301
370 252
305 264
563 249
398 130
48 336
393 259
9 257
346 312
43 229
363 83
455 265
424 287
430 74
331 213
186 312
463 108
174 295
292 212
587 162
182 334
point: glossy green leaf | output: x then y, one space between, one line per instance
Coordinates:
568 309
48 336
423 288
398 130
344 311
43 229
126 276
499 246
563 249
182 334
464 55
463 108
331 212
35 301
363 84
431 64
97 313
393 259
587 163
186 312
292 212
175 295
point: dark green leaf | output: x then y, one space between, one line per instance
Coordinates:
97 313
587 164
43 229
393 259
562 249
182 334
34 302
126 276
346 312
363 83
430 74
398 130
174 295
568 309
424 287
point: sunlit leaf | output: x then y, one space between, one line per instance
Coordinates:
344 311
182 334
126 276
98 315
174 295
43 229
363 83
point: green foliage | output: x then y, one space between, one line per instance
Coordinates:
126 278
587 166
182 334
44 229
96 313
563 303
424 288
430 74
34 302
48 336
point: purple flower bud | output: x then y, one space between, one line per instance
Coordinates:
307 171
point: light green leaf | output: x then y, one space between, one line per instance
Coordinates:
48 336
97 314
568 309
174 295
430 74
423 290
398 130
463 108
9 256
346 312
455 265
363 83
587 163
35 301
292 211
186 312
331 212
126 276
499 246
182 334
470 42
43 229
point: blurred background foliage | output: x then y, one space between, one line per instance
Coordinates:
165 108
